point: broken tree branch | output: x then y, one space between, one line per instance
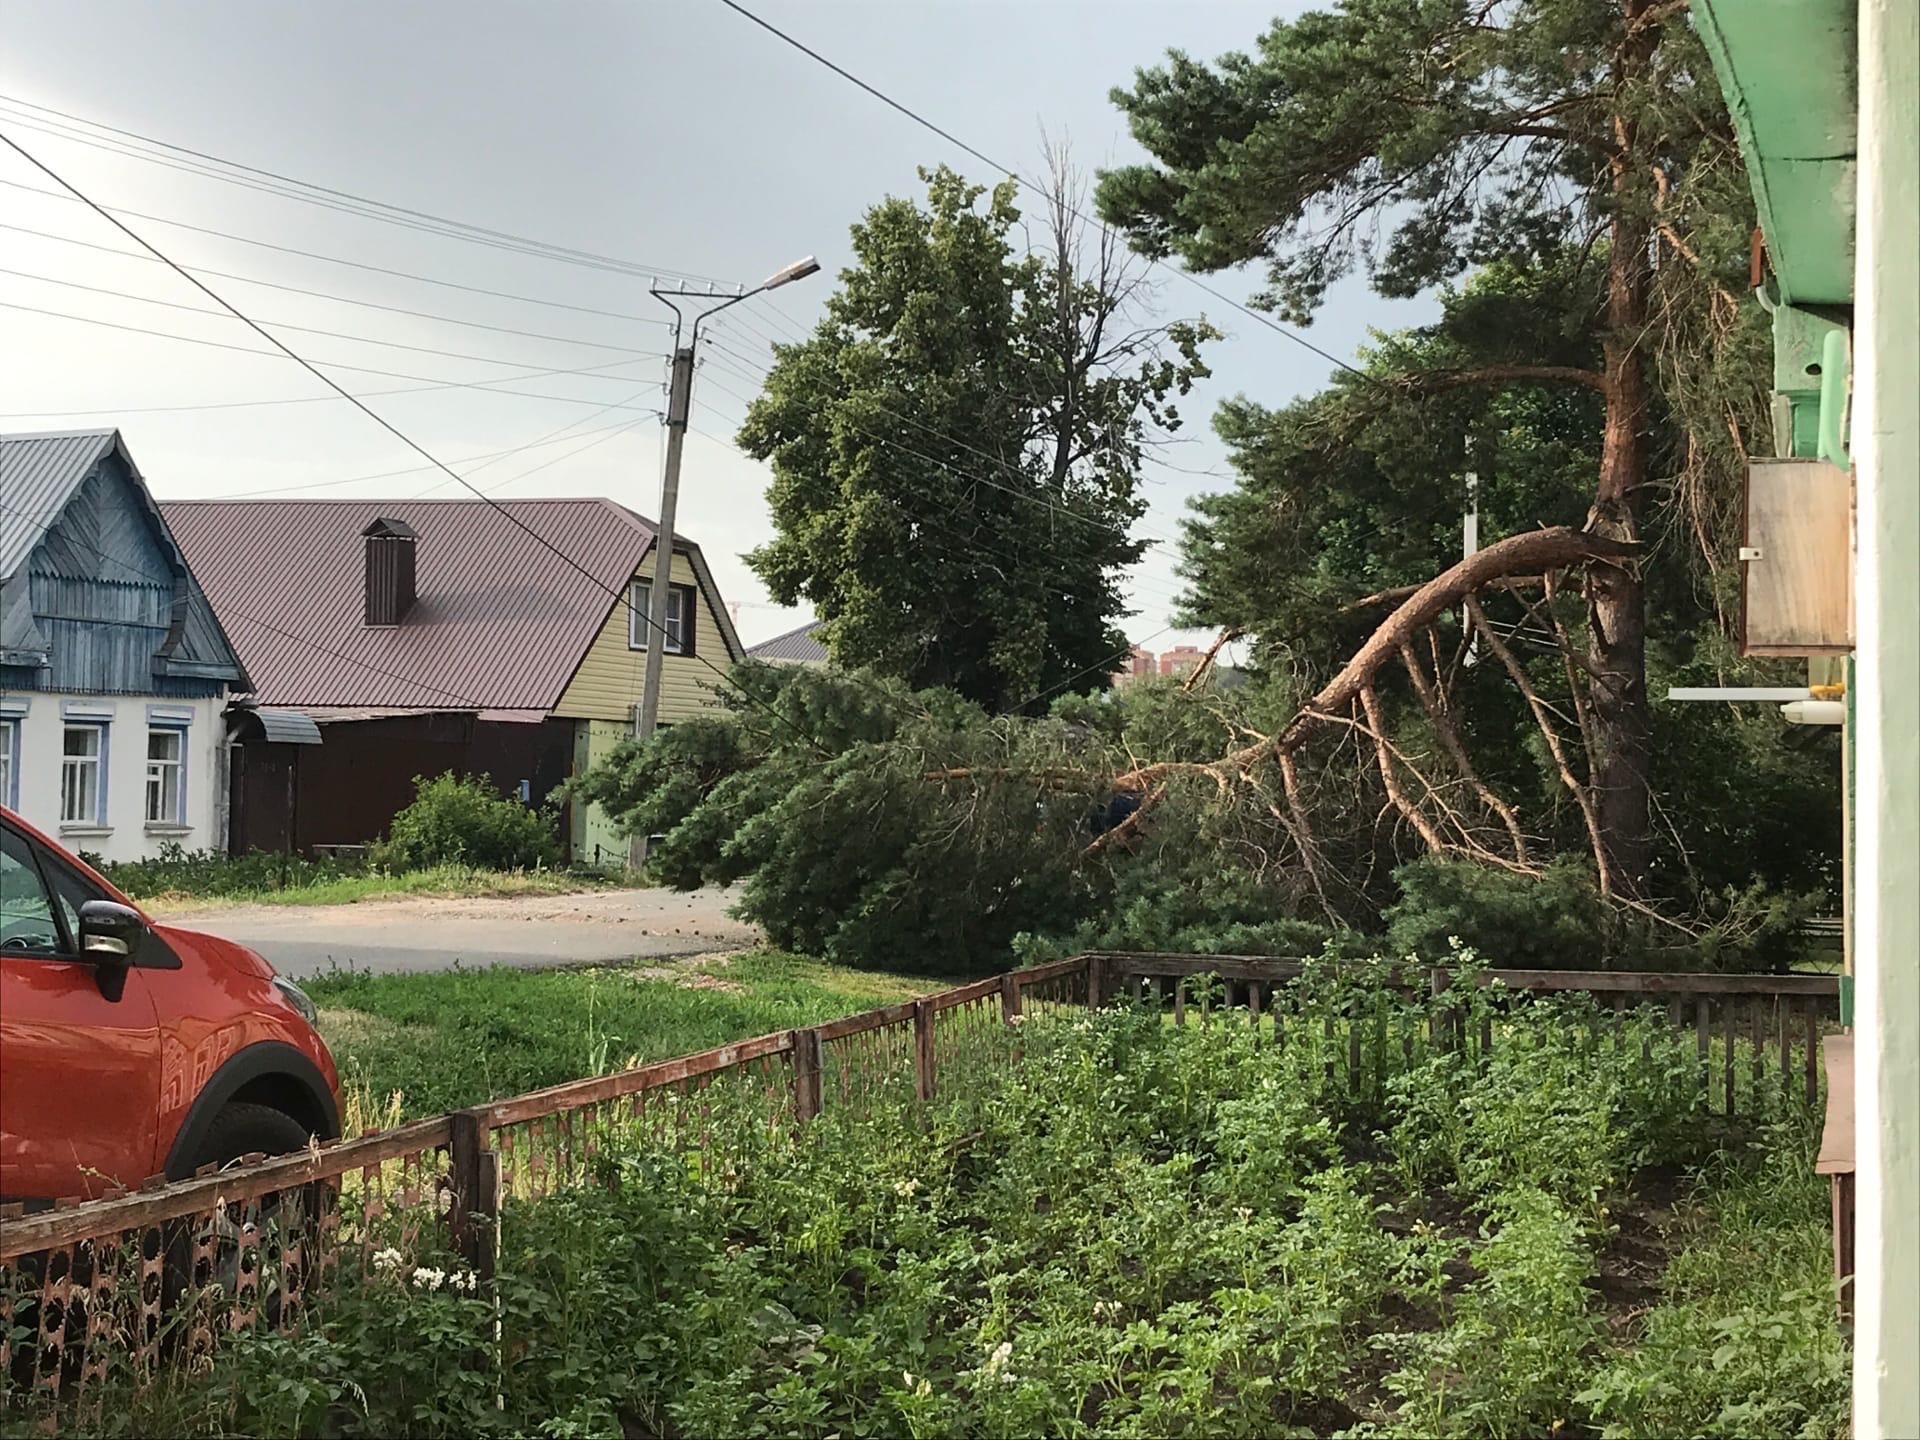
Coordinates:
1450 741
1581 794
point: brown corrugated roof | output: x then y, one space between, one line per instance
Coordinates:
500 622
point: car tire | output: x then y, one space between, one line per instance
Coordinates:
239 1129
243 1128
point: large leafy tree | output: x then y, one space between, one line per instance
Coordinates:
956 448
1415 139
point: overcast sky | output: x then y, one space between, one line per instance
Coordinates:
676 135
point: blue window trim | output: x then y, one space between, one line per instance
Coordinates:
100 810
13 730
180 722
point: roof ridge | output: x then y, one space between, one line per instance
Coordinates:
93 433
488 502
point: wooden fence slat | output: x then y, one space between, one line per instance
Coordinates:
1813 1051
1702 1028
923 1061
1783 1021
1180 1000
1729 1025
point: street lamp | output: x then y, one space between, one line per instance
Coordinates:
679 401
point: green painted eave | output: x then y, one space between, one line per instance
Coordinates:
1789 70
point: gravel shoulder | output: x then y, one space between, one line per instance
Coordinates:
414 933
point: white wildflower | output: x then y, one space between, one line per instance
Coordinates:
905 1188
915 1387
1242 1213
425 1278
1016 1019
465 1280
388 1259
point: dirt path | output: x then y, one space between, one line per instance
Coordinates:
412 933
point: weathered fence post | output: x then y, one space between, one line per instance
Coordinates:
923 1049
474 1170
1009 996
1446 1018
807 1089
1096 981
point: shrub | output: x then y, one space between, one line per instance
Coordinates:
464 820
178 871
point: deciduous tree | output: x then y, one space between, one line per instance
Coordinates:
956 448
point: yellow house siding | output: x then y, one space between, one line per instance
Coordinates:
608 683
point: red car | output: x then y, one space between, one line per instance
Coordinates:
130 1049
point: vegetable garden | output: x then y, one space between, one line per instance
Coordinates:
1338 1206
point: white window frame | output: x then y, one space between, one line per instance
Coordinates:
72 764
679 597
10 729
156 774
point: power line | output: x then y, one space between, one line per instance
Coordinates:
299 329
287 187
267 625
488 457
337 299
338 260
621 596
490 386
987 160
967 476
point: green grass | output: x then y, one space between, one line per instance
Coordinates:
444 881
456 1038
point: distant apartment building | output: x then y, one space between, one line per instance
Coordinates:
1181 660
1139 665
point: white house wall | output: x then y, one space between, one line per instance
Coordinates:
126 834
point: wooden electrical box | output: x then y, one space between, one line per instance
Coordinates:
1796 560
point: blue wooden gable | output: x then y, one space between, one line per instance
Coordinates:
95 596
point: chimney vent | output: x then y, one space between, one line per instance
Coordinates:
390 592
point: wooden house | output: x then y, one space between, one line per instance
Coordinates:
427 636
114 673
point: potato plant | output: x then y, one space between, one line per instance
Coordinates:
1142 1230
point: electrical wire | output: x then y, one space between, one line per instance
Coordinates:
490 386
298 329
236 612
340 260
337 299
987 160
622 596
288 187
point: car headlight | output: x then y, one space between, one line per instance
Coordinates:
297 998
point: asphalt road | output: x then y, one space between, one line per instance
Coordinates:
416 934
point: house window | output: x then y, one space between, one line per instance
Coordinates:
10 764
166 776
680 612
83 791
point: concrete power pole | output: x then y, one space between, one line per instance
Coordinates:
679 403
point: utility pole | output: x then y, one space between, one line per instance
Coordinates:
1469 546
679 405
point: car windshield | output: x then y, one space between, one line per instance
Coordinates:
26 918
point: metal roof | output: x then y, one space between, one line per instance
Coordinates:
796 646
500 622
38 475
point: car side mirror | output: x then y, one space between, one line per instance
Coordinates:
110 932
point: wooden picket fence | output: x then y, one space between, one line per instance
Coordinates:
122 1290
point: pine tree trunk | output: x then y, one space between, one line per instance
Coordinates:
1622 722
